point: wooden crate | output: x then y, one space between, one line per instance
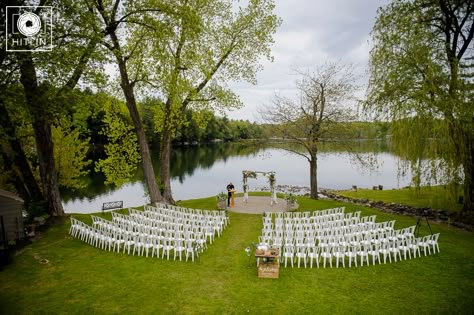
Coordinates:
269 270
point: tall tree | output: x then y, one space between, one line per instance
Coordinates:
422 74
127 27
324 99
209 43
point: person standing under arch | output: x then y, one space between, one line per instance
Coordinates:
230 188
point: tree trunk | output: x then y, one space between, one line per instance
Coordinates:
165 154
127 88
37 101
314 176
44 145
18 160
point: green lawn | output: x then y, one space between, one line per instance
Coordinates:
82 279
436 197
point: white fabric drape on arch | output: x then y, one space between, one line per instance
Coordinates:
254 174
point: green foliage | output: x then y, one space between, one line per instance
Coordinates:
122 148
69 154
205 50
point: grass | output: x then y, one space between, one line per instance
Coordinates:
83 279
436 197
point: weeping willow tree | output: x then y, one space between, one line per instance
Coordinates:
421 68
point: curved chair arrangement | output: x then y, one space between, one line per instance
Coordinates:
334 237
156 231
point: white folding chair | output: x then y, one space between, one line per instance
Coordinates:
301 254
351 253
288 252
433 242
339 253
326 254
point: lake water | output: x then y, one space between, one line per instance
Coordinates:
203 171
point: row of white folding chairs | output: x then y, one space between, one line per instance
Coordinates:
183 210
327 233
312 241
353 222
169 228
306 214
147 215
277 240
366 227
358 254
136 221
183 217
156 231
304 220
136 230
359 228
142 244
311 219
367 239
161 229
174 215
335 219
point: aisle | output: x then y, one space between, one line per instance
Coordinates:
258 204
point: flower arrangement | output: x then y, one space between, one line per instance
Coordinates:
221 196
249 174
291 198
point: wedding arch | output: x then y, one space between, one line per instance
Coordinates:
254 174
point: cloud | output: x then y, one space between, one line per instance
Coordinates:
312 32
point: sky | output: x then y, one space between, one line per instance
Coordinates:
312 33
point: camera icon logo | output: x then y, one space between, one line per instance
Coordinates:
29 24
29 28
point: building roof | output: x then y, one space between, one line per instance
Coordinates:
7 194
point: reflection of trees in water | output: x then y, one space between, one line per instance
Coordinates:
184 161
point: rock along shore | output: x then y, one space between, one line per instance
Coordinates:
436 215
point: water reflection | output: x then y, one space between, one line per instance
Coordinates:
200 171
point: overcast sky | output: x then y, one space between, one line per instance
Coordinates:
312 33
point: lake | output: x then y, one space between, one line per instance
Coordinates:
205 170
